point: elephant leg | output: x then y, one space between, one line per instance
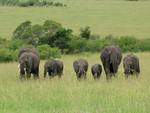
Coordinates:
84 76
115 75
137 74
59 75
108 76
28 76
36 74
126 76
78 77
95 76
22 74
107 72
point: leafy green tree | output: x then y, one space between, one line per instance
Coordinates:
85 32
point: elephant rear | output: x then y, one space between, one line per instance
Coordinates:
29 64
96 71
111 58
131 65
53 67
80 67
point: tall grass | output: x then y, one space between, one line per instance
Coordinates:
68 95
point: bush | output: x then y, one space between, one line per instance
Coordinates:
85 32
77 45
51 33
128 43
47 52
23 31
9 2
6 55
28 3
55 35
143 45
14 44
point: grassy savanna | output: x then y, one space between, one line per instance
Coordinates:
116 17
68 95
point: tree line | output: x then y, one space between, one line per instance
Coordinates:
52 39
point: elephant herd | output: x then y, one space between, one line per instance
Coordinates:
111 56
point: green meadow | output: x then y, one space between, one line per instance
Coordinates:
68 95
116 17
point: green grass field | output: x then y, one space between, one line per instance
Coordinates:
68 95
116 17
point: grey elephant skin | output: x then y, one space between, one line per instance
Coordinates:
131 65
53 68
96 70
111 58
29 64
23 50
80 67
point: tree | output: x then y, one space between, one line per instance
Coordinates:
85 32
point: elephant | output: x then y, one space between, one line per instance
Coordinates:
131 65
33 50
96 70
29 64
111 58
80 67
53 67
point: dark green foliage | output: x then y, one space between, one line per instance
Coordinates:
6 55
128 43
47 52
57 4
77 45
9 2
29 3
143 45
14 44
23 31
85 32
52 39
51 33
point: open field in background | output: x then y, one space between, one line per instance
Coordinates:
116 17
71 96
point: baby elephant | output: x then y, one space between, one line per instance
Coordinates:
53 68
96 71
80 67
131 65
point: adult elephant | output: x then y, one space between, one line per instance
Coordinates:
131 65
23 50
80 67
29 64
111 58
53 68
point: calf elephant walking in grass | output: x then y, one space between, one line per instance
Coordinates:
80 67
96 71
111 58
53 68
131 65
